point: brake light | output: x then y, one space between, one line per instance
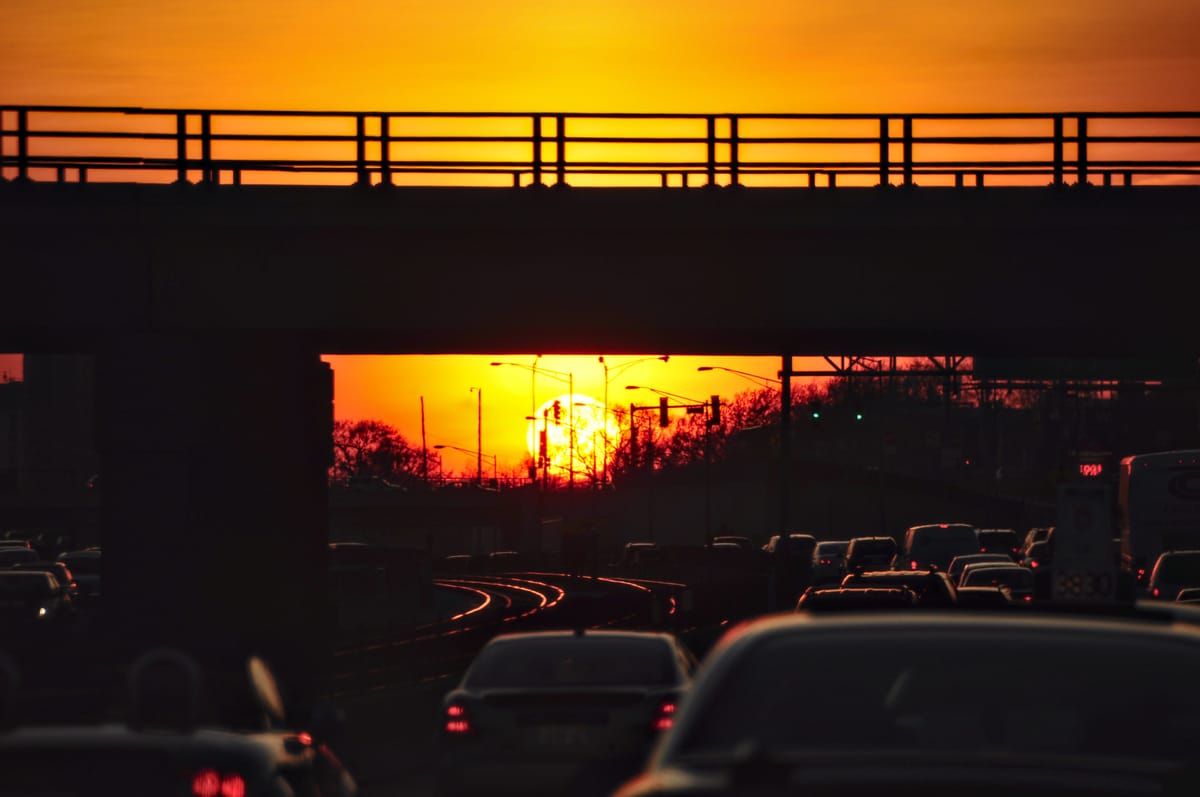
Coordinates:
1155 592
1141 574
206 783
210 783
1033 563
664 717
233 786
456 719
1028 598
912 565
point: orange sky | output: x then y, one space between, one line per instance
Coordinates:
586 56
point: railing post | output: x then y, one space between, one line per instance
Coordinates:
712 152
360 146
22 146
1081 160
1058 151
385 163
885 155
537 152
560 151
181 176
906 139
2 180
207 177
734 167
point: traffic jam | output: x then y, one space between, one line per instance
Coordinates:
946 659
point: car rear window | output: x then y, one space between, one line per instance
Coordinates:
832 548
872 547
1180 567
998 540
571 662
26 583
12 556
84 565
1019 578
935 692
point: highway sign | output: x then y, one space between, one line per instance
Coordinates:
1083 568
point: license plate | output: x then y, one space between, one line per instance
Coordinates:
560 736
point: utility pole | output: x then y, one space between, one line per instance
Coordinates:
785 447
424 448
479 435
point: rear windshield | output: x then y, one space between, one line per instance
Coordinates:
998 539
803 546
873 547
11 556
1180 567
84 565
558 662
936 692
1019 578
944 535
832 548
26 584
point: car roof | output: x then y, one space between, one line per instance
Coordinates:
87 554
1120 619
257 750
523 636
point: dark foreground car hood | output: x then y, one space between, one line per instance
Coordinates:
869 774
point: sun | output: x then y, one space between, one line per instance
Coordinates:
595 432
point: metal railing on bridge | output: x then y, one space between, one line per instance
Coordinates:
147 145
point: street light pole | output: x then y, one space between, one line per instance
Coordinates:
479 434
617 371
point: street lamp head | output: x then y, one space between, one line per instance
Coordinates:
439 446
665 358
633 387
495 363
704 368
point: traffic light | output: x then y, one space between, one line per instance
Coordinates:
542 446
858 413
663 419
814 409
714 416
557 412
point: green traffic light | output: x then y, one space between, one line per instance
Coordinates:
858 416
816 415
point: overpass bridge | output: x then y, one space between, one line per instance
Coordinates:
207 258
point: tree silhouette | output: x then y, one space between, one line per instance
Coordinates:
371 449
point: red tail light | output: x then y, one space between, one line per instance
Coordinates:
233 786
912 565
210 783
983 550
664 716
1029 597
1155 592
1141 574
206 783
1033 563
456 719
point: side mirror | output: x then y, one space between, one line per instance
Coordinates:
266 691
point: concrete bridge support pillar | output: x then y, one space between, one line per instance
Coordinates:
214 453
